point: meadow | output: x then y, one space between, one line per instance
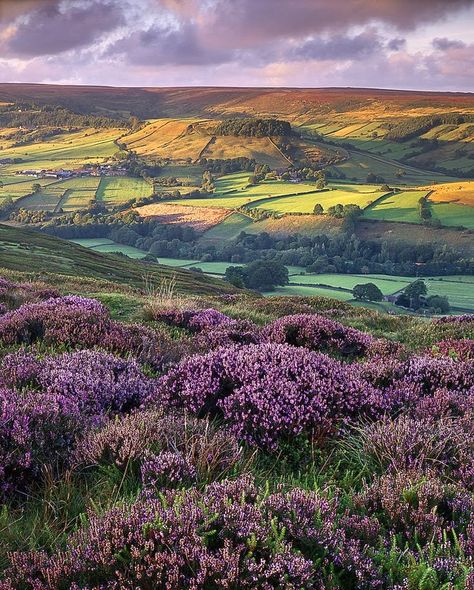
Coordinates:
401 206
115 190
67 150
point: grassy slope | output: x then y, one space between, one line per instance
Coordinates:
23 250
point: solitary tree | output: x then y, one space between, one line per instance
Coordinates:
367 292
318 209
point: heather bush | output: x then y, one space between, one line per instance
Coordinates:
125 442
269 392
79 322
458 349
404 443
317 333
228 536
36 430
192 319
167 468
13 295
99 383
417 506
234 332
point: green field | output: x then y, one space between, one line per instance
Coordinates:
401 206
460 292
453 214
246 196
118 189
228 229
361 195
108 247
311 292
387 285
68 150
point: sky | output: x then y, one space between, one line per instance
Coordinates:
403 44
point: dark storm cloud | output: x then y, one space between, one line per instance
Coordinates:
57 27
443 44
396 44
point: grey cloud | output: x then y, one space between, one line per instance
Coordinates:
396 44
338 47
443 44
54 28
168 46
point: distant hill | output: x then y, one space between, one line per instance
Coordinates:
29 251
291 103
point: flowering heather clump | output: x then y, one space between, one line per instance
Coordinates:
19 369
36 429
455 319
192 319
234 332
14 294
79 322
166 469
433 373
71 320
417 505
317 333
97 382
228 536
458 349
267 392
425 443
212 452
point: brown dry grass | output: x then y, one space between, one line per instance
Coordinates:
453 192
259 148
200 218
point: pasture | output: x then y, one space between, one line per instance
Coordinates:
361 195
109 247
114 190
402 206
68 150
229 228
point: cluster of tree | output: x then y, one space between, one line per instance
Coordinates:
207 184
344 253
139 167
411 127
260 275
31 115
415 297
25 136
253 127
7 205
221 166
367 292
26 216
339 211
424 210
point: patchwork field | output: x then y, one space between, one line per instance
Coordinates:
109 247
361 195
116 190
68 150
201 218
402 206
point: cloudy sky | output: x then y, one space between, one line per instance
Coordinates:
412 44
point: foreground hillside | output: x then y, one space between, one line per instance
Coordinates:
230 442
25 250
